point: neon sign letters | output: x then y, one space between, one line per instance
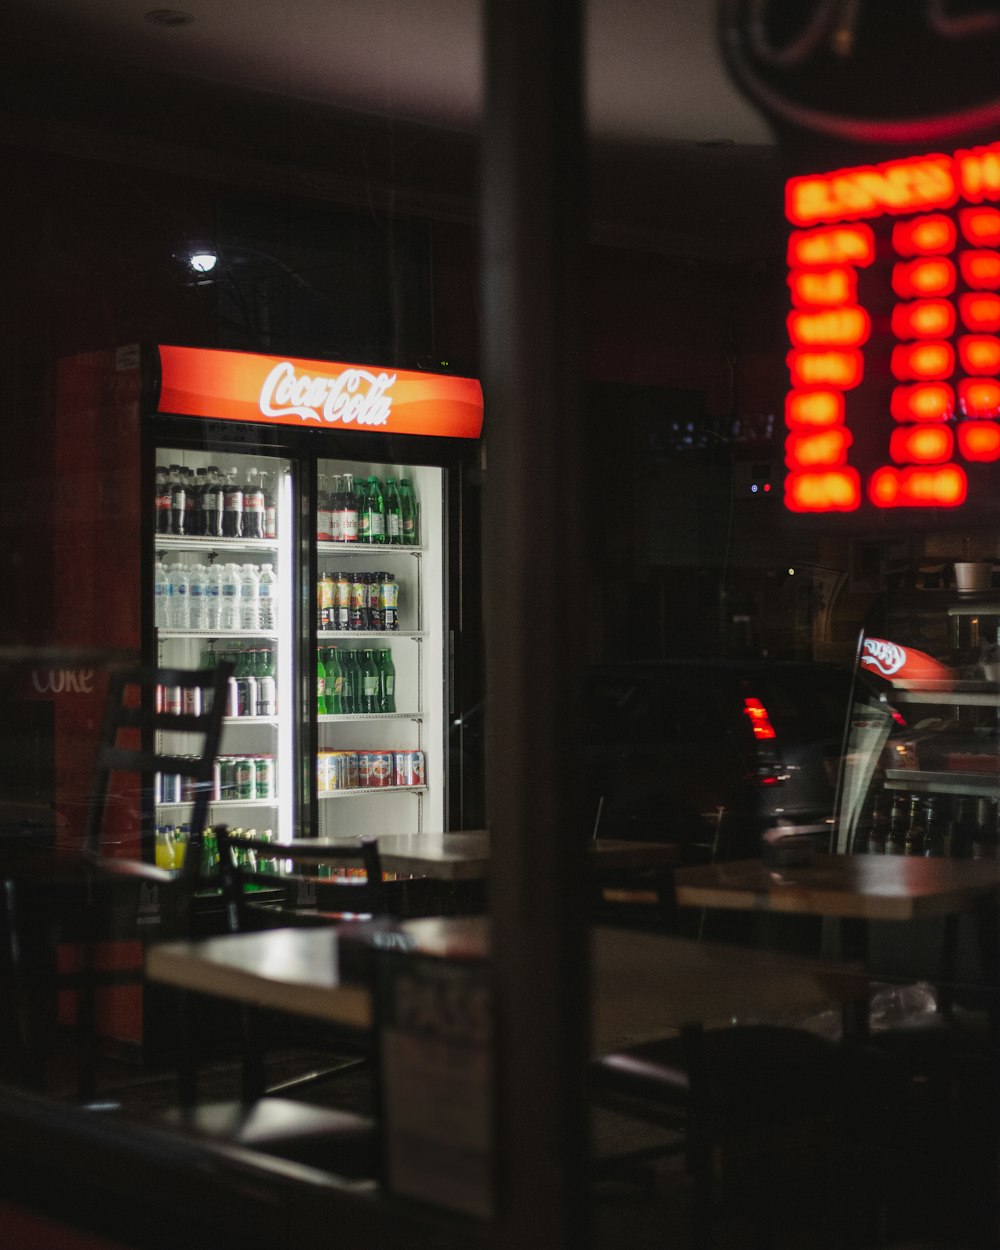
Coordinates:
942 260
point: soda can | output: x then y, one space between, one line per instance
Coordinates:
173 701
352 770
191 700
244 777
380 768
324 772
170 789
189 788
227 777
217 779
408 767
233 698
264 776
364 759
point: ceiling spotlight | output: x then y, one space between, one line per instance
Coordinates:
169 17
203 261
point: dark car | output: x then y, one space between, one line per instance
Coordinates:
714 754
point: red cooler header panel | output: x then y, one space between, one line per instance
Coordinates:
894 331
280 390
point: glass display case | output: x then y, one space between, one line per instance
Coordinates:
921 769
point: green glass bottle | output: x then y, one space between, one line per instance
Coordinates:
393 513
376 509
364 516
334 683
320 684
349 680
369 681
387 681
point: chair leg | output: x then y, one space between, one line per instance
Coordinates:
253 1055
187 1060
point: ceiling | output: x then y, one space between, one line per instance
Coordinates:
653 72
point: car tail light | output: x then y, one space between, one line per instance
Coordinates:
760 722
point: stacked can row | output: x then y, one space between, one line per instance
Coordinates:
236 778
368 769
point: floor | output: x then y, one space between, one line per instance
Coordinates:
645 1206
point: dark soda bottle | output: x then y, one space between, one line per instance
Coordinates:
232 514
270 506
962 827
162 514
213 503
253 506
408 513
878 831
191 503
348 510
178 500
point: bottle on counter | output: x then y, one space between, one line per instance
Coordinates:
936 834
962 828
984 834
878 831
916 829
899 821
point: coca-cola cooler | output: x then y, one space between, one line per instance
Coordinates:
217 504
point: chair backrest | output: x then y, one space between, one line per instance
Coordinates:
142 703
304 882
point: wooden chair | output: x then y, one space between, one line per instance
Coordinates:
86 895
270 885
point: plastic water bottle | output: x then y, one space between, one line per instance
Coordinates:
249 582
161 591
229 614
179 585
267 589
197 583
213 596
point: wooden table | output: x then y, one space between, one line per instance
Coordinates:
465 855
645 985
857 889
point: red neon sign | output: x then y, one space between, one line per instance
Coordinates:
979 397
944 272
924 236
979 441
917 487
980 226
927 401
836 327
822 288
980 270
813 409
277 390
924 319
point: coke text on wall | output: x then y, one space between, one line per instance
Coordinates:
894 332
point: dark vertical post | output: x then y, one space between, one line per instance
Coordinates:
532 220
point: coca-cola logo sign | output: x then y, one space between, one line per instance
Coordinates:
352 397
63 680
884 657
868 71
